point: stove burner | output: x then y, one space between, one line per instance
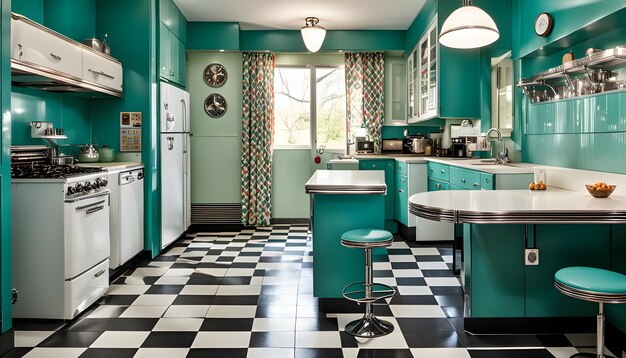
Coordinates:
47 171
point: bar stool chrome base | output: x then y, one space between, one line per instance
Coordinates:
369 326
589 355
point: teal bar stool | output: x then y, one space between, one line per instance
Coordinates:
367 291
594 285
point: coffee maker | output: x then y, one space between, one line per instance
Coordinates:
459 147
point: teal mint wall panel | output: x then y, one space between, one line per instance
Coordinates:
75 19
587 245
216 142
353 40
33 9
290 171
5 168
134 44
64 111
390 132
212 36
569 16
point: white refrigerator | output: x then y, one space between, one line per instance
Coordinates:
175 179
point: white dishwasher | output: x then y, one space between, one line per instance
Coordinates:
130 218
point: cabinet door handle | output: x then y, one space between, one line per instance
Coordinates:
443 171
373 165
486 180
101 73
432 170
402 180
463 180
99 273
56 57
400 191
476 184
438 186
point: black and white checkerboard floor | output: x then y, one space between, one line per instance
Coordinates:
249 294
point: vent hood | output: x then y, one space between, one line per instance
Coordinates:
46 60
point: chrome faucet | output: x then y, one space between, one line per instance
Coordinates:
503 156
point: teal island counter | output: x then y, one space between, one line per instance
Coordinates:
342 200
504 290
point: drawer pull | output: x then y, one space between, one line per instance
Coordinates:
373 165
486 180
99 273
476 184
102 73
400 191
443 171
56 57
432 170
402 180
438 186
463 180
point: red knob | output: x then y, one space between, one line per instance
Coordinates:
317 159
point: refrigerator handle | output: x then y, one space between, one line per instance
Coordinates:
184 103
170 143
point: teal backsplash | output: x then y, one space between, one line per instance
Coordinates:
65 111
585 133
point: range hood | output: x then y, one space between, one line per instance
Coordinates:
37 54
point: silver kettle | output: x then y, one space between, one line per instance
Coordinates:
88 154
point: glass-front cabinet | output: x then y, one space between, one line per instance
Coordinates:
422 80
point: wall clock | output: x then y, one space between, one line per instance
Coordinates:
215 74
215 105
543 24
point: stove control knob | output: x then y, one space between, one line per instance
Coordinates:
87 186
70 190
78 188
101 183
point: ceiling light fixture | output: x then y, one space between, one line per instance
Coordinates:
468 27
312 34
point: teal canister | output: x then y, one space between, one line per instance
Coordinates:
106 154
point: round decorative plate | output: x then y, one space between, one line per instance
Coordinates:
215 105
215 75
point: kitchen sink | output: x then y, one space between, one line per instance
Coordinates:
494 164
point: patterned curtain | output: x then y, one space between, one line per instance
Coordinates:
256 153
365 77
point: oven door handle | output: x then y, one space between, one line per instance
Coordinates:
93 210
95 205
90 196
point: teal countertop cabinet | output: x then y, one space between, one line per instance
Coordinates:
390 207
334 212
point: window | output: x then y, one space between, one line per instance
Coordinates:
310 111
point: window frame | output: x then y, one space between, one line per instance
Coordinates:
313 110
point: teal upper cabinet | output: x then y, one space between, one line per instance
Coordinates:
441 82
173 19
395 91
173 36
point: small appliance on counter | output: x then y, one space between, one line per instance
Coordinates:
415 144
393 146
459 147
364 146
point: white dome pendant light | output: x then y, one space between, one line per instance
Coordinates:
312 34
468 27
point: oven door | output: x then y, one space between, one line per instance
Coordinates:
87 241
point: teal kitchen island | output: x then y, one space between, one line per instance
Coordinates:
568 228
342 200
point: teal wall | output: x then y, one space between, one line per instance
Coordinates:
577 132
81 12
5 168
134 44
228 36
64 111
33 9
216 142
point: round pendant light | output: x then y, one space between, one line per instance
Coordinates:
312 34
468 27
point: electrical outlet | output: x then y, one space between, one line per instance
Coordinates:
531 257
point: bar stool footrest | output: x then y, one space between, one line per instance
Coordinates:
383 292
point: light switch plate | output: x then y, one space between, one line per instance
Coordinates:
531 257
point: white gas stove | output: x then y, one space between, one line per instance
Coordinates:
60 238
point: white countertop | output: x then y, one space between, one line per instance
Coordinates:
113 166
347 182
509 206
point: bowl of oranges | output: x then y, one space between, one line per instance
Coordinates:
538 186
600 189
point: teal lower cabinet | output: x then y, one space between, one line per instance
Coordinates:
436 185
487 181
335 266
464 179
498 283
390 207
